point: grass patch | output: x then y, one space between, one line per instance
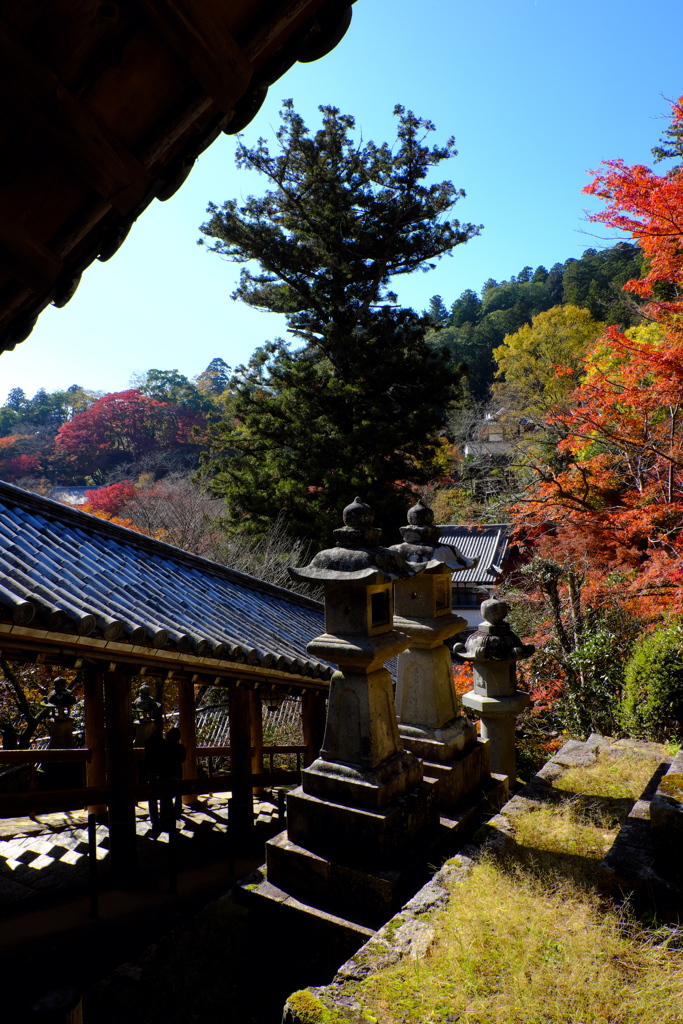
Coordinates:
568 837
514 949
565 831
610 776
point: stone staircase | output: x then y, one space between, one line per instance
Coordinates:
645 863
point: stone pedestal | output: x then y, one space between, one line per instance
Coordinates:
363 814
431 724
498 716
360 824
143 731
61 733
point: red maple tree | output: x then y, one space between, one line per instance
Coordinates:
615 481
123 427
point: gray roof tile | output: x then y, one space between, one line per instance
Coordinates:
54 555
486 542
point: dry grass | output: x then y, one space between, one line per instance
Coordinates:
566 830
527 940
611 776
514 950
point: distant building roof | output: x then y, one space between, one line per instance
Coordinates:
213 723
488 543
108 590
494 448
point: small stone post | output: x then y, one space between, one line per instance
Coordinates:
494 651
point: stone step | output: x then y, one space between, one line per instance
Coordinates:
644 863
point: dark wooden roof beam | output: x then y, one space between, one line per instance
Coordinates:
201 37
73 130
25 257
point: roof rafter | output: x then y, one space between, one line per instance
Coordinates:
71 128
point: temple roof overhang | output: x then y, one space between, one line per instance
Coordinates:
75 587
107 105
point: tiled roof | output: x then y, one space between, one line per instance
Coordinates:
283 724
66 571
486 542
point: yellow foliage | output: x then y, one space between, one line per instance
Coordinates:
542 361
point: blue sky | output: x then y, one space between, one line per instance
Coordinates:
536 92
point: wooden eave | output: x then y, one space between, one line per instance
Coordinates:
73 585
106 106
22 643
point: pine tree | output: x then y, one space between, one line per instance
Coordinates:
361 406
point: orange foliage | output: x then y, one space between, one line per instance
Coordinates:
462 677
128 523
650 207
616 484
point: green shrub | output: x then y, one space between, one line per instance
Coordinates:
652 706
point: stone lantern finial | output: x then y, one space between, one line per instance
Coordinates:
421 542
420 514
357 554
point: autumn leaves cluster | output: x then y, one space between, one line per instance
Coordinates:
611 483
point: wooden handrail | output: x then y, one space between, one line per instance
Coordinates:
49 755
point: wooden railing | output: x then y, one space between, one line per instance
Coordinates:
47 801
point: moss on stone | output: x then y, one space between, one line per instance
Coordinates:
672 785
311 1010
392 927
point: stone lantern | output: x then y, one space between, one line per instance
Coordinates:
363 816
147 712
431 723
494 650
58 707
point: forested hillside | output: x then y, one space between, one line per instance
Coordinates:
477 322
159 425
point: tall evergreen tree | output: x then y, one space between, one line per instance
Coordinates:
361 406
437 313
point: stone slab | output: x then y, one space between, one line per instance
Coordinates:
439 744
666 819
373 788
272 899
360 834
496 707
363 893
465 773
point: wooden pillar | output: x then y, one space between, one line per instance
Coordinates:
121 776
95 736
256 716
240 759
313 714
188 734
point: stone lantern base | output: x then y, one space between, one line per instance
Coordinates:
460 764
358 862
498 716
